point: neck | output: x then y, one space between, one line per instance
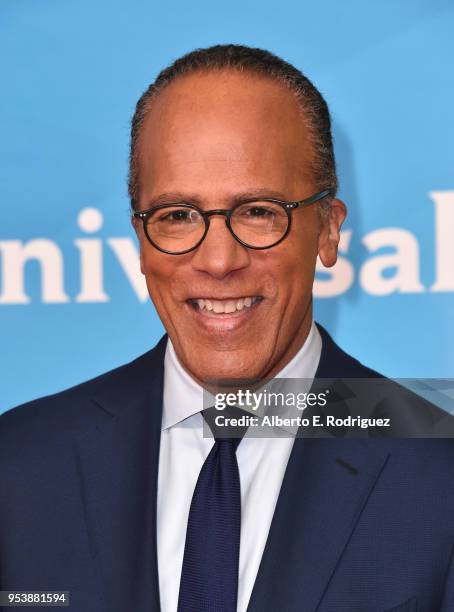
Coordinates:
296 343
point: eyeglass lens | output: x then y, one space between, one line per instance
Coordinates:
179 228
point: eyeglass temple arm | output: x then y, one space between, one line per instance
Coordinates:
315 198
138 214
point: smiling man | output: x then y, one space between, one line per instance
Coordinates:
111 490
224 141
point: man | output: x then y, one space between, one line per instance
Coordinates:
111 491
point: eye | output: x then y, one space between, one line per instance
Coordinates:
260 211
175 215
256 211
178 216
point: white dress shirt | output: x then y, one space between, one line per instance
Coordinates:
261 461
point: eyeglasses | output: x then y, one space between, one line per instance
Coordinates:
256 224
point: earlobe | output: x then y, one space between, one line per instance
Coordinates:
142 266
330 233
135 225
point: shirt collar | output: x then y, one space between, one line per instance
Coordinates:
183 397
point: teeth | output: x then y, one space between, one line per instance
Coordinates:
225 306
230 306
218 307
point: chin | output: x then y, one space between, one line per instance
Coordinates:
214 359
219 368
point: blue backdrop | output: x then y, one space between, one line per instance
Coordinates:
72 300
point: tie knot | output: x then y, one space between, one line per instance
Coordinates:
229 424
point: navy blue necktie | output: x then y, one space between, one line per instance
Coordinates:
209 577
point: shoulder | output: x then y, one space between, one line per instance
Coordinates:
75 407
371 395
335 362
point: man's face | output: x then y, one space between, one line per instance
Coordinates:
209 139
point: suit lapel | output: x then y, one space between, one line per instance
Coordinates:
326 486
118 468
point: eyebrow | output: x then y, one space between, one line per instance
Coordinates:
177 197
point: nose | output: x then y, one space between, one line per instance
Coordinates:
220 254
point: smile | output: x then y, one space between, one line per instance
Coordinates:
211 306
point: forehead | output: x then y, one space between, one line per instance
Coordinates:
226 127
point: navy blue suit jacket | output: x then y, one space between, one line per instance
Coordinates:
360 524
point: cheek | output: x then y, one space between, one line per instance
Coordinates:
165 277
158 271
297 267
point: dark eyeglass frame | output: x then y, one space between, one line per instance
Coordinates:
288 207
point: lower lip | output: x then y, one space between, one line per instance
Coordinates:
225 322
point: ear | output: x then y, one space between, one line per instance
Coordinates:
138 228
329 236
